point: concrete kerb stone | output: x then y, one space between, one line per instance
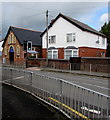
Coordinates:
75 72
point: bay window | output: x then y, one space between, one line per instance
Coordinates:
53 54
71 53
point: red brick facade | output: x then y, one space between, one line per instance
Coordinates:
91 52
44 53
60 53
83 52
18 58
6 48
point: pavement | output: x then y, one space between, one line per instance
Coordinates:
18 105
96 74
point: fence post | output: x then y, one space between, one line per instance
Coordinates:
54 65
70 66
90 68
31 82
11 77
60 95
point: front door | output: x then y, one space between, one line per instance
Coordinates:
11 55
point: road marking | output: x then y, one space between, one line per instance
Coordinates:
14 78
96 86
69 108
18 77
91 110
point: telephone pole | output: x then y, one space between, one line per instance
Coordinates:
47 37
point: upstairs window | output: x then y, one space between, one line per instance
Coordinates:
71 37
52 39
11 39
97 41
103 40
18 50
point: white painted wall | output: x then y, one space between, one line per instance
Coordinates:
1 42
61 27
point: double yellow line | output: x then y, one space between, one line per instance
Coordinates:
69 108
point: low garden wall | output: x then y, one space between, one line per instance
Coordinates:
86 64
52 63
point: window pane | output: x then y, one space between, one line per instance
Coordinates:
68 54
103 40
8 39
53 39
74 37
69 37
50 54
55 54
75 53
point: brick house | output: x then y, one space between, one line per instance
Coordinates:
71 38
20 43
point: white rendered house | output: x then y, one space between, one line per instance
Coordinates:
68 37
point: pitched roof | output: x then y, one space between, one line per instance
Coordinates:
77 23
26 35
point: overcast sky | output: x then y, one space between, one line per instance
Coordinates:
31 15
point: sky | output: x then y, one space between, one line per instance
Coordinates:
31 15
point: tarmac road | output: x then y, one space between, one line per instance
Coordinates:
18 105
98 84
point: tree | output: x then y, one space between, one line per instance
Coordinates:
105 29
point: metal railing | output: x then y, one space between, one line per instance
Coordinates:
75 101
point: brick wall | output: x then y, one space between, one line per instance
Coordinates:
57 64
97 64
90 52
60 53
17 59
44 53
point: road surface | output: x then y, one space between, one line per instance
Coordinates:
98 84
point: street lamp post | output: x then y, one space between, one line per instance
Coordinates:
47 37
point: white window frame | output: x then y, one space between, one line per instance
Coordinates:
73 37
50 55
72 53
50 39
52 51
